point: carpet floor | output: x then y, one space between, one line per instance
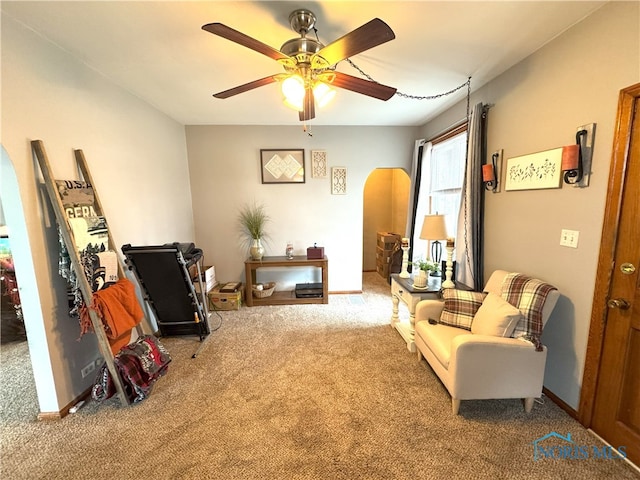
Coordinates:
294 392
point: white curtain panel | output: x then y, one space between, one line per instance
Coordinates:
418 153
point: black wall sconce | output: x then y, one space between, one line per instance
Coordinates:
576 159
491 172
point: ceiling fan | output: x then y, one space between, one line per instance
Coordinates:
309 65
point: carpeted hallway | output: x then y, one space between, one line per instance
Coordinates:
294 392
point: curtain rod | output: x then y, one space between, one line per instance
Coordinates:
445 132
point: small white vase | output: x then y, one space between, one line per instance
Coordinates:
420 280
256 250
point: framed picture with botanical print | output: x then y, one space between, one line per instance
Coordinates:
534 171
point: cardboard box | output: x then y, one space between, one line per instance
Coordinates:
383 270
388 241
208 279
386 237
225 301
383 256
209 274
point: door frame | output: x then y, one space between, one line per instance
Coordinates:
615 191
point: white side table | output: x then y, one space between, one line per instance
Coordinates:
402 289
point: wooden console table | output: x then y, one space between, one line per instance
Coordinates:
284 297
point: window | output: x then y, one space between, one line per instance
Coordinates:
442 175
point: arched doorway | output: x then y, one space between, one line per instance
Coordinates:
385 204
36 356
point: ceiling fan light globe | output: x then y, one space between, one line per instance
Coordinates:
323 94
293 91
295 104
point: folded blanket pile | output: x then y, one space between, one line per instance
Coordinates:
119 309
140 364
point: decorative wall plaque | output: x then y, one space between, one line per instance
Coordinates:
338 180
318 163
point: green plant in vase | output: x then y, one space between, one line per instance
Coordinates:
252 221
425 268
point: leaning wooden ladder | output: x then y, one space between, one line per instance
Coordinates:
67 236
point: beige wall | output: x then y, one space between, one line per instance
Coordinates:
401 184
386 195
137 158
377 214
224 165
572 81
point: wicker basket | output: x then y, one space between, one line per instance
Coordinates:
267 290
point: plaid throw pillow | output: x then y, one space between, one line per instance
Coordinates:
460 307
528 295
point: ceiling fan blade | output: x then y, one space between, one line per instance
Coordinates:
245 40
369 35
248 86
308 106
365 87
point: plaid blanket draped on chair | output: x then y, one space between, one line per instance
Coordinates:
528 295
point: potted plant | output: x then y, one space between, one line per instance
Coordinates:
425 268
252 220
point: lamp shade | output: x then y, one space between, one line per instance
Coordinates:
433 228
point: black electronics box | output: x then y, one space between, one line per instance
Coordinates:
308 290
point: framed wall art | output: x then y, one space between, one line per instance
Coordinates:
534 171
282 166
318 164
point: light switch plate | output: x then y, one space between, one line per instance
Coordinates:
569 238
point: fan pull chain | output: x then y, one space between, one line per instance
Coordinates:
307 129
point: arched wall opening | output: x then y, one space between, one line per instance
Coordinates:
16 225
385 206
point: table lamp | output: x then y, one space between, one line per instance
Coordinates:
434 229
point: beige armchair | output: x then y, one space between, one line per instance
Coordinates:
485 345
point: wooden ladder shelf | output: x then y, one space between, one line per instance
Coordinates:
68 238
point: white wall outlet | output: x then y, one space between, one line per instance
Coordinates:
88 369
569 238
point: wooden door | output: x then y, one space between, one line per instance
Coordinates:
615 414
